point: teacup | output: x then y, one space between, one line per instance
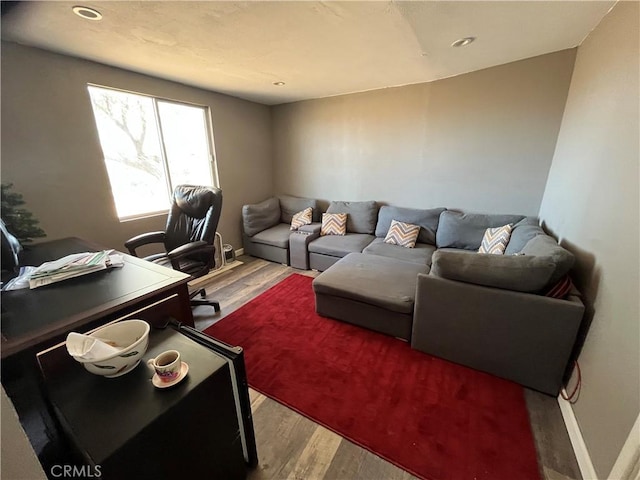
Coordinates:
167 365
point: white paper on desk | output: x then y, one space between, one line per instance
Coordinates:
115 260
72 266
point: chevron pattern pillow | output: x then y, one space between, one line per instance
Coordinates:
402 234
495 240
334 224
301 218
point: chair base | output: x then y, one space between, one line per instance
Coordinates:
203 294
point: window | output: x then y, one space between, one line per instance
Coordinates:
150 145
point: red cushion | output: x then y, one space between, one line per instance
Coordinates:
561 289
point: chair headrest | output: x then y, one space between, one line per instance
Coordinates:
195 200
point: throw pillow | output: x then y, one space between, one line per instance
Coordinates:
495 240
402 234
334 224
301 218
561 289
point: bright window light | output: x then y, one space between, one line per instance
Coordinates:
150 145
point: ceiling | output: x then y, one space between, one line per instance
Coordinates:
318 49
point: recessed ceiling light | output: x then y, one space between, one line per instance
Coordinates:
463 42
279 84
87 12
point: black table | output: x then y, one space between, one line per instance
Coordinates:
125 428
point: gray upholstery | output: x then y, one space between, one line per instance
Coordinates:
546 247
369 285
361 218
267 227
427 219
321 262
299 245
290 205
260 216
522 273
262 250
518 336
340 245
465 230
522 232
379 281
277 236
421 253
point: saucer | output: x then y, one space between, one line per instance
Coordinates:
184 369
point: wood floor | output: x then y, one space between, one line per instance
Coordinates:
290 446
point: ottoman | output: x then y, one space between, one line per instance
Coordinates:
370 291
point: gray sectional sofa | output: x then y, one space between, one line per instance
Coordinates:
266 226
488 312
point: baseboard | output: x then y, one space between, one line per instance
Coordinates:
627 466
577 441
239 252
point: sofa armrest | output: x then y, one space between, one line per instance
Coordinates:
299 245
519 336
311 228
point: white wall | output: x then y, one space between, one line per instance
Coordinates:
481 141
591 202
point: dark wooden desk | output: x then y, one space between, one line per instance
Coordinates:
43 316
132 430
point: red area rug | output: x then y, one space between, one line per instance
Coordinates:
433 418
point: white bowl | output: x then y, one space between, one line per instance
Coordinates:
132 336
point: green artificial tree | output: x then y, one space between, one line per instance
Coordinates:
19 221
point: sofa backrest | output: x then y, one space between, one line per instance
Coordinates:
544 246
260 216
465 230
361 216
427 219
522 232
290 205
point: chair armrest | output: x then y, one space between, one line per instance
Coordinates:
143 239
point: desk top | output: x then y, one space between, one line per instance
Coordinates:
30 317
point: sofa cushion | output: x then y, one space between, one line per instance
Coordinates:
276 236
260 216
465 230
290 205
427 219
402 234
362 216
302 218
334 224
495 240
339 246
421 253
384 282
522 232
522 273
546 246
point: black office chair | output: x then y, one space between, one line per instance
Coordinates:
189 236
